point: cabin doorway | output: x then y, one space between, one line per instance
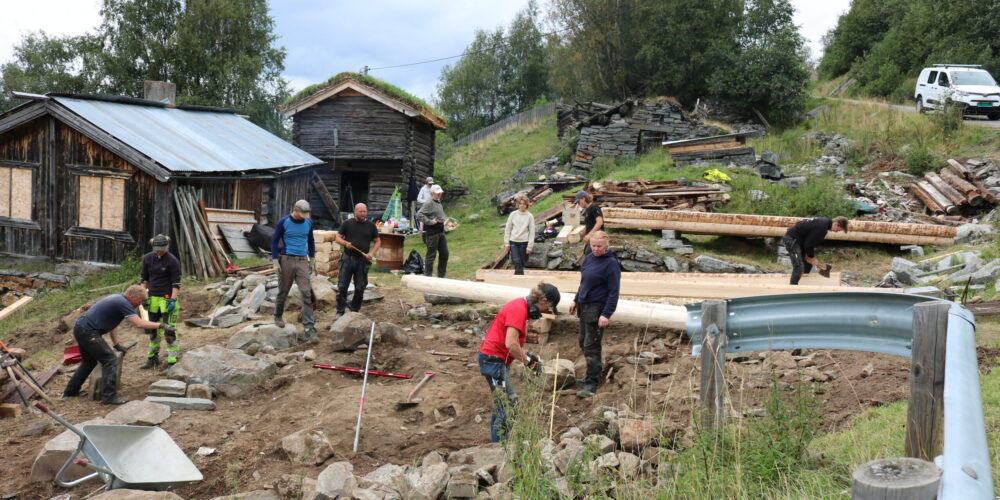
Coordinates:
353 189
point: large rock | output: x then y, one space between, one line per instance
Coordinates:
140 413
429 484
436 299
478 456
139 495
252 495
389 475
193 404
350 331
562 374
253 280
970 233
167 387
986 274
264 334
708 264
392 334
904 270
307 447
565 457
228 371
336 481
635 434
600 442
254 299
56 451
324 292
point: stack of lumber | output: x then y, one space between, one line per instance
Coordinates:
684 285
327 253
774 226
198 250
730 148
534 195
952 191
571 234
660 195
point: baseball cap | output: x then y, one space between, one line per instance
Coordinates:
429 180
435 189
552 295
160 242
302 206
581 195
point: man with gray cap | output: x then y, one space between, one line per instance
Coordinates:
161 277
425 192
295 264
432 216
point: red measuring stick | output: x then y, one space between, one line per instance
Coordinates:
359 371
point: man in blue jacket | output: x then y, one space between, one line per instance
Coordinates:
295 264
595 301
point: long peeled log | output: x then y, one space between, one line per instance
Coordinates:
963 186
927 199
628 311
940 199
944 188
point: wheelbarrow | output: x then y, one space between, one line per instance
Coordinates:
127 456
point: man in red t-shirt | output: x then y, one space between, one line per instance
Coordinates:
503 343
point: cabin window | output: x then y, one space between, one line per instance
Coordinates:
16 193
102 203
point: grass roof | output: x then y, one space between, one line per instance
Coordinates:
387 88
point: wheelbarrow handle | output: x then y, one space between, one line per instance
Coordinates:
44 409
83 462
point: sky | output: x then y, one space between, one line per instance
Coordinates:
324 37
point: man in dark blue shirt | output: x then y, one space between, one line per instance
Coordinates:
295 264
161 276
104 317
595 301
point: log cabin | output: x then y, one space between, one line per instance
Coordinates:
372 138
91 178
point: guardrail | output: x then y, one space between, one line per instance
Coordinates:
873 322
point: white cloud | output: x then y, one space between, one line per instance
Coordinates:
56 17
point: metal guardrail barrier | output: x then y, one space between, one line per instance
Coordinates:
874 322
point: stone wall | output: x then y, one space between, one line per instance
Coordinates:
15 284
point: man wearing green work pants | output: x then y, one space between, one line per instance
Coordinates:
161 276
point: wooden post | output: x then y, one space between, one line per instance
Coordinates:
896 478
925 412
713 362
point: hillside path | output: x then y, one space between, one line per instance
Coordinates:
982 121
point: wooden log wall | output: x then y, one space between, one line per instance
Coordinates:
25 147
230 194
287 190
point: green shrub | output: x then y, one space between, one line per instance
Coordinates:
819 196
919 160
949 120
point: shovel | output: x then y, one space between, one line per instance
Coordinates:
410 403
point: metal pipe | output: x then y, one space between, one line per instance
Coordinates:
966 459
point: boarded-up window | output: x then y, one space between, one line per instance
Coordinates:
102 203
15 193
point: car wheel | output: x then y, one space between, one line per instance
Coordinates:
993 116
920 105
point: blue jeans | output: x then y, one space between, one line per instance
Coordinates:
352 268
518 255
498 378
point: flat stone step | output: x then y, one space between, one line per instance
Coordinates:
184 403
168 388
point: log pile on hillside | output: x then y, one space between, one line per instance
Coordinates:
955 190
656 195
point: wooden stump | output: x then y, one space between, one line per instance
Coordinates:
713 362
901 478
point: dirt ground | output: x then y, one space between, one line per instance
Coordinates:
246 432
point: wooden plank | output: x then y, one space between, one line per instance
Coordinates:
713 363
720 278
227 216
705 147
90 201
925 411
237 242
5 191
576 234
21 193
10 410
325 196
21 302
563 235
113 204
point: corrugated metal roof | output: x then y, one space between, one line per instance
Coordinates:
191 141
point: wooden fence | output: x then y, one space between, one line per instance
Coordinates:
522 118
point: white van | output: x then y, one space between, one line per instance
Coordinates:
966 84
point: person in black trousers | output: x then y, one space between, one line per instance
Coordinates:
594 303
104 317
356 236
801 240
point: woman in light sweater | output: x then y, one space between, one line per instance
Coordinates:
519 234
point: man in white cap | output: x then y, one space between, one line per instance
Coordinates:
295 264
432 216
425 192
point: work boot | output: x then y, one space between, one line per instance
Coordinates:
117 400
150 363
311 336
587 392
279 322
77 394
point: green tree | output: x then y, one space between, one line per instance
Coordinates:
44 63
765 69
138 43
856 32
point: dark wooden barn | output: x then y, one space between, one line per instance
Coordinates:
371 138
91 178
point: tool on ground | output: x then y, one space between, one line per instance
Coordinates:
10 363
439 353
17 362
364 385
826 272
410 403
17 386
127 456
360 371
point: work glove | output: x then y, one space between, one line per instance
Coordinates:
119 348
167 329
534 364
276 264
171 304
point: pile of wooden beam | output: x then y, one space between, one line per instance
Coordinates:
534 195
659 195
724 149
683 285
954 190
327 253
198 250
774 226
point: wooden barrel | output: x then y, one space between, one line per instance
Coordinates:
390 254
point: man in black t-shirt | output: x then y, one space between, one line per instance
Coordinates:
356 236
801 240
593 217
